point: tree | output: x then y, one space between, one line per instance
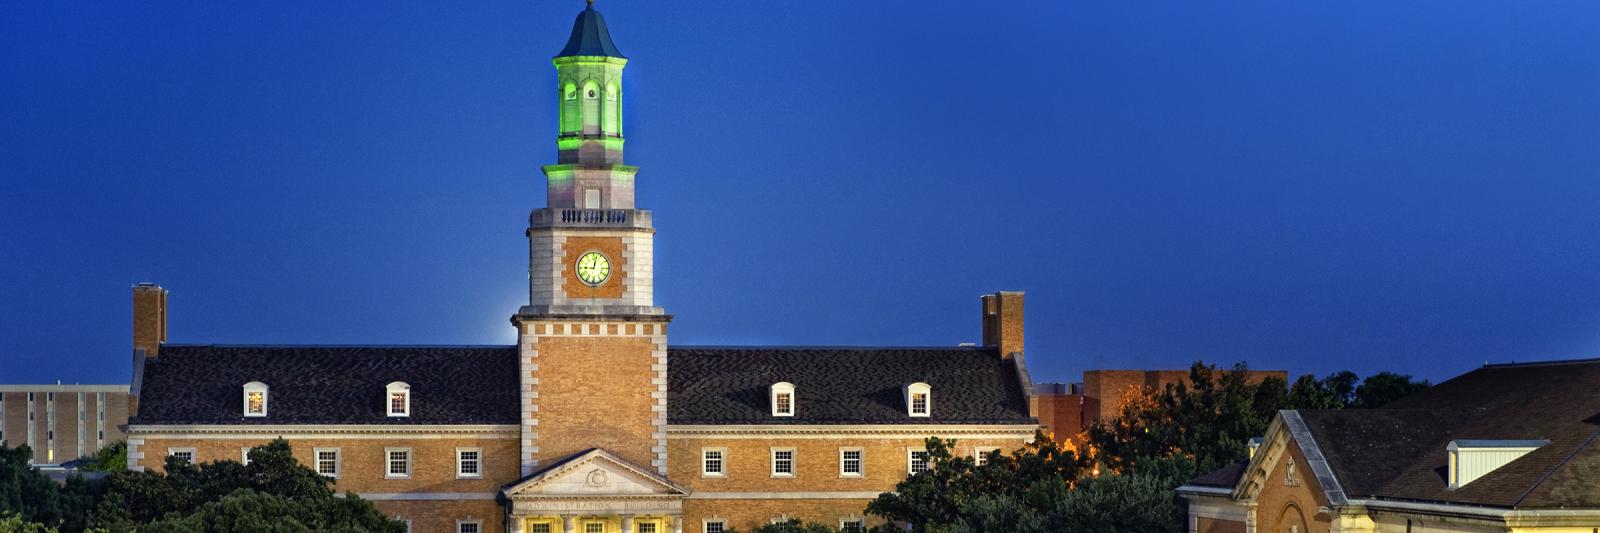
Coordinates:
272 493
25 493
794 525
1384 387
112 458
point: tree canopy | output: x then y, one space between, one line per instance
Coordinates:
274 493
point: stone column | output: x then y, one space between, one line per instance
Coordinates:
568 525
515 524
677 523
627 523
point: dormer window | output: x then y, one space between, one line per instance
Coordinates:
255 399
783 399
919 400
398 400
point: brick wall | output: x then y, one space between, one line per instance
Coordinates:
745 515
596 392
363 461
441 515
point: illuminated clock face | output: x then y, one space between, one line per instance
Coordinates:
593 268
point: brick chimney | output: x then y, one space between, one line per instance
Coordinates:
1002 322
149 319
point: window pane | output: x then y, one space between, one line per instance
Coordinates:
852 462
919 462
716 527
465 527
540 528
647 527
399 463
783 462
785 403
397 403
592 527
713 461
328 463
468 462
258 403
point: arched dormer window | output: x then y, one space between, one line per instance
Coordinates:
783 399
919 399
255 399
397 401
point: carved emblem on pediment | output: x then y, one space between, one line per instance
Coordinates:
597 478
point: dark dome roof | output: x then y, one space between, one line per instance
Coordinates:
589 37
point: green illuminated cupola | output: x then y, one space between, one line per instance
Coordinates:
589 172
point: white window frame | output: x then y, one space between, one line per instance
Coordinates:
705 524
861 461
463 475
722 460
401 388
980 454
338 461
388 473
475 522
783 388
244 456
193 455
912 391
792 460
911 459
845 521
266 398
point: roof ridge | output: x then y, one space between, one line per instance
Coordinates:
821 347
1551 362
274 345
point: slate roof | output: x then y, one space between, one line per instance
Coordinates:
590 37
842 385
1398 452
202 384
1225 477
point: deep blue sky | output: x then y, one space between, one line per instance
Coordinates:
1312 186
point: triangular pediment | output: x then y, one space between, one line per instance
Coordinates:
593 473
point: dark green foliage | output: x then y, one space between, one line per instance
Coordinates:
274 493
113 458
29 495
1384 387
1124 479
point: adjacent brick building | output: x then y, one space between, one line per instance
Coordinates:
592 421
1503 448
1067 409
62 422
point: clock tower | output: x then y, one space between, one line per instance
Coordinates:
592 342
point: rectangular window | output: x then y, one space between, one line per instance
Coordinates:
980 454
785 404
713 462
594 527
539 528
397 403
853 524
327 461
399 462
50 396
917 461
257 402
850 462
469 462
467 527
647 527
186 454
716 526
783 462
919 403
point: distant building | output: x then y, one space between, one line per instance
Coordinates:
1508 447
62 422
1067 409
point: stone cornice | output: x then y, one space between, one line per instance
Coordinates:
322 430
827 431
